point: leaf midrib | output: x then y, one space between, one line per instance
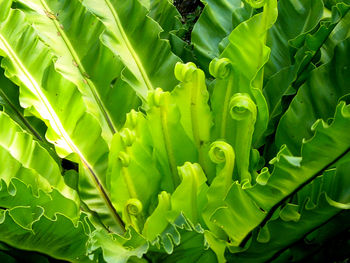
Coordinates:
62 132
81 69
20 116
280 251
132 52
274 208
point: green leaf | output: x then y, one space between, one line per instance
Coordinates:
132 172
315 205
217 20
157 222
168 17
73 35
294 19
172 146
330 243
188 197
192 97
9 94
148 60
10 254
174 217
47 223
164 13
74 132
246 40
21 153
316 99
190 250
223 155
117 249
281 87
248 208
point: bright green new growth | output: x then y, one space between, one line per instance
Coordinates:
175 162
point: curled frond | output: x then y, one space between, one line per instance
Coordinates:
131 119
155 97
242 107
220 68
128 136
185 72
256 3
124 158
133 207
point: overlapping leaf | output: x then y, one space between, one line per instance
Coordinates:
32 198
289 175
246 40
9 101
148 60
317 98
294 19
330 33
169 18
41 223
47 94
318 202
73 35
217 20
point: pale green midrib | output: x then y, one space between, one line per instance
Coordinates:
225 107
20 116
81 69
195 93
194 195
62 133
132 52
128 179
194 120
169 147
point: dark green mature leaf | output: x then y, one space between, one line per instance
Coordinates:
285 82
217 20
330 242
169 18
47 223
245 209
316 99
165 13
148 60
294 18
317 203
190 250
10 254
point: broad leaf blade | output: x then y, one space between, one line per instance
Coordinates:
73 35
314 206
148 60
289 175
317 98
57 101
45 223
216 22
